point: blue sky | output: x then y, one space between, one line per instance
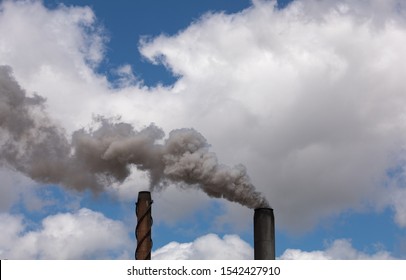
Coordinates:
138 19
302 93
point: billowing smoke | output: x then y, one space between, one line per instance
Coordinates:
30 143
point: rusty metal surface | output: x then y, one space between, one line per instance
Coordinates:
144 225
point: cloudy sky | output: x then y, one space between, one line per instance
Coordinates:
302 99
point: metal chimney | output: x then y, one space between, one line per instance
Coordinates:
264 234
144 224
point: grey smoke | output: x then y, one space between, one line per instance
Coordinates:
94 158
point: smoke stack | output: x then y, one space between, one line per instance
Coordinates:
264 234
144 224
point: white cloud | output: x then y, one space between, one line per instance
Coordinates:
340 249
212 247
398 200
11 187
50 49
207 247
125 76
80 235
16 188
309 98
12 226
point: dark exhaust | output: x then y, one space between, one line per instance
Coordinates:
144 225
264 234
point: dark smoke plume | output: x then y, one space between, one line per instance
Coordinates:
33 145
